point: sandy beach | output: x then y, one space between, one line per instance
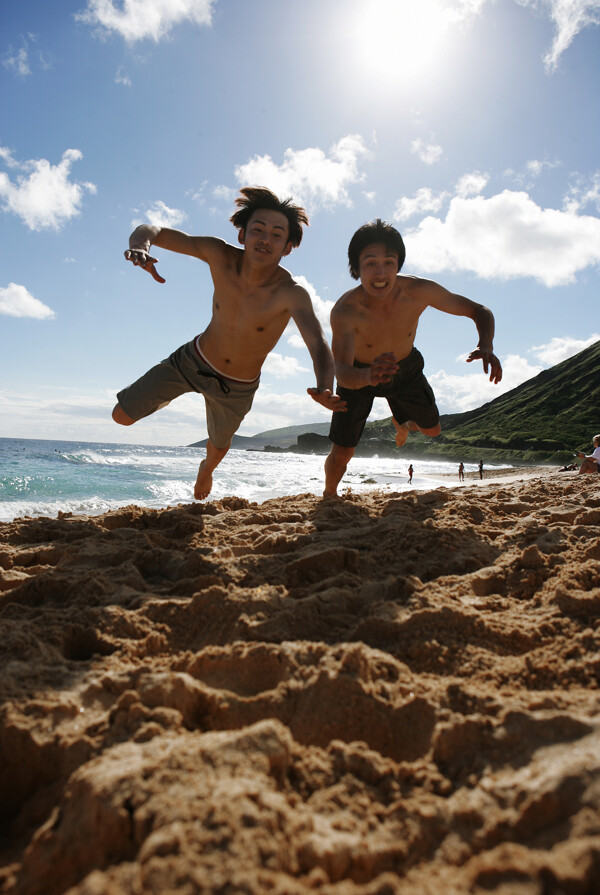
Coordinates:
383 694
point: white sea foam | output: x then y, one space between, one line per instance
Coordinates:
42 478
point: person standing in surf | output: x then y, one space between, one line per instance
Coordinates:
374 327
254 299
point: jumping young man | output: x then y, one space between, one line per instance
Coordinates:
254 299
374 327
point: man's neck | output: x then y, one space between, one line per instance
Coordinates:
257 274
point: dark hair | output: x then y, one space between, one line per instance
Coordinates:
254 197
375 231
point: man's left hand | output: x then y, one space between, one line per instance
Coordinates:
326 398
490 362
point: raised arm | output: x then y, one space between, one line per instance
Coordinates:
303 314
438 297
206 248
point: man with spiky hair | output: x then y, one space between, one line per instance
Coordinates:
253 301
374 327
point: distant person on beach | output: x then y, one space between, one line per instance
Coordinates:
410 474
481 469
461 472
591 463
374 327
253 301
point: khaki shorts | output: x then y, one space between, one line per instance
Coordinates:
227 400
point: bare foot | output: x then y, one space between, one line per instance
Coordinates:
203 485
402 431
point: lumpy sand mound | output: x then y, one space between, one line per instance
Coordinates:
376 695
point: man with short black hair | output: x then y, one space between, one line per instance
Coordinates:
374 327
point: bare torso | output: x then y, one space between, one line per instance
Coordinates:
388 325
248 317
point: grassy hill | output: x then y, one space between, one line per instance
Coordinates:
542 420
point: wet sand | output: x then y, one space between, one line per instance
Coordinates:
384 694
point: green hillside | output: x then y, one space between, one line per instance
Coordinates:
542 420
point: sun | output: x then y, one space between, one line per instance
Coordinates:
401 40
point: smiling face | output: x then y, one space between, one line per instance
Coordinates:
266 237
378 267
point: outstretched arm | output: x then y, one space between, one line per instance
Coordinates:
482 317
310 330
206 248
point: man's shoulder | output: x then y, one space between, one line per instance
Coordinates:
348 301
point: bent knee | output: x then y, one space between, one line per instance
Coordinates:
120 417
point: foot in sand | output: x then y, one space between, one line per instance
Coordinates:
203 485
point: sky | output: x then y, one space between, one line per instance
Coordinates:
471 125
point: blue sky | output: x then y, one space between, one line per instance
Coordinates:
473 125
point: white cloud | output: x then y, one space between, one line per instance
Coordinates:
282 366
160 215
504 237
16 301
456 394
6 157
427 152
225 193
17 61
274 410
560 348
309 174
471 184
424 200
122 77
321 306
46 198
569 18
141 19
295 340
585 192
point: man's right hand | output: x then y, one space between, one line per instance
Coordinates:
142 258
383 368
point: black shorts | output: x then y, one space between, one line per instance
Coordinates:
409 396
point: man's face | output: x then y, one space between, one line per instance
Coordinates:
266 237
378 268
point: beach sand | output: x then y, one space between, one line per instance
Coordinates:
385 694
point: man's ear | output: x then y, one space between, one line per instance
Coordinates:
241 236
288 249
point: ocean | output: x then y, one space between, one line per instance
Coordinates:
41 478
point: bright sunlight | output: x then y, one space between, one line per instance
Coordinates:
402 39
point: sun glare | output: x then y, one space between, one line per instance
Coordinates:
401 39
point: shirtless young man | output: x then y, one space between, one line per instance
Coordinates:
374 327
254 299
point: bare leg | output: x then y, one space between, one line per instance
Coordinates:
119 416
214 455
335 467
402 430
588 466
